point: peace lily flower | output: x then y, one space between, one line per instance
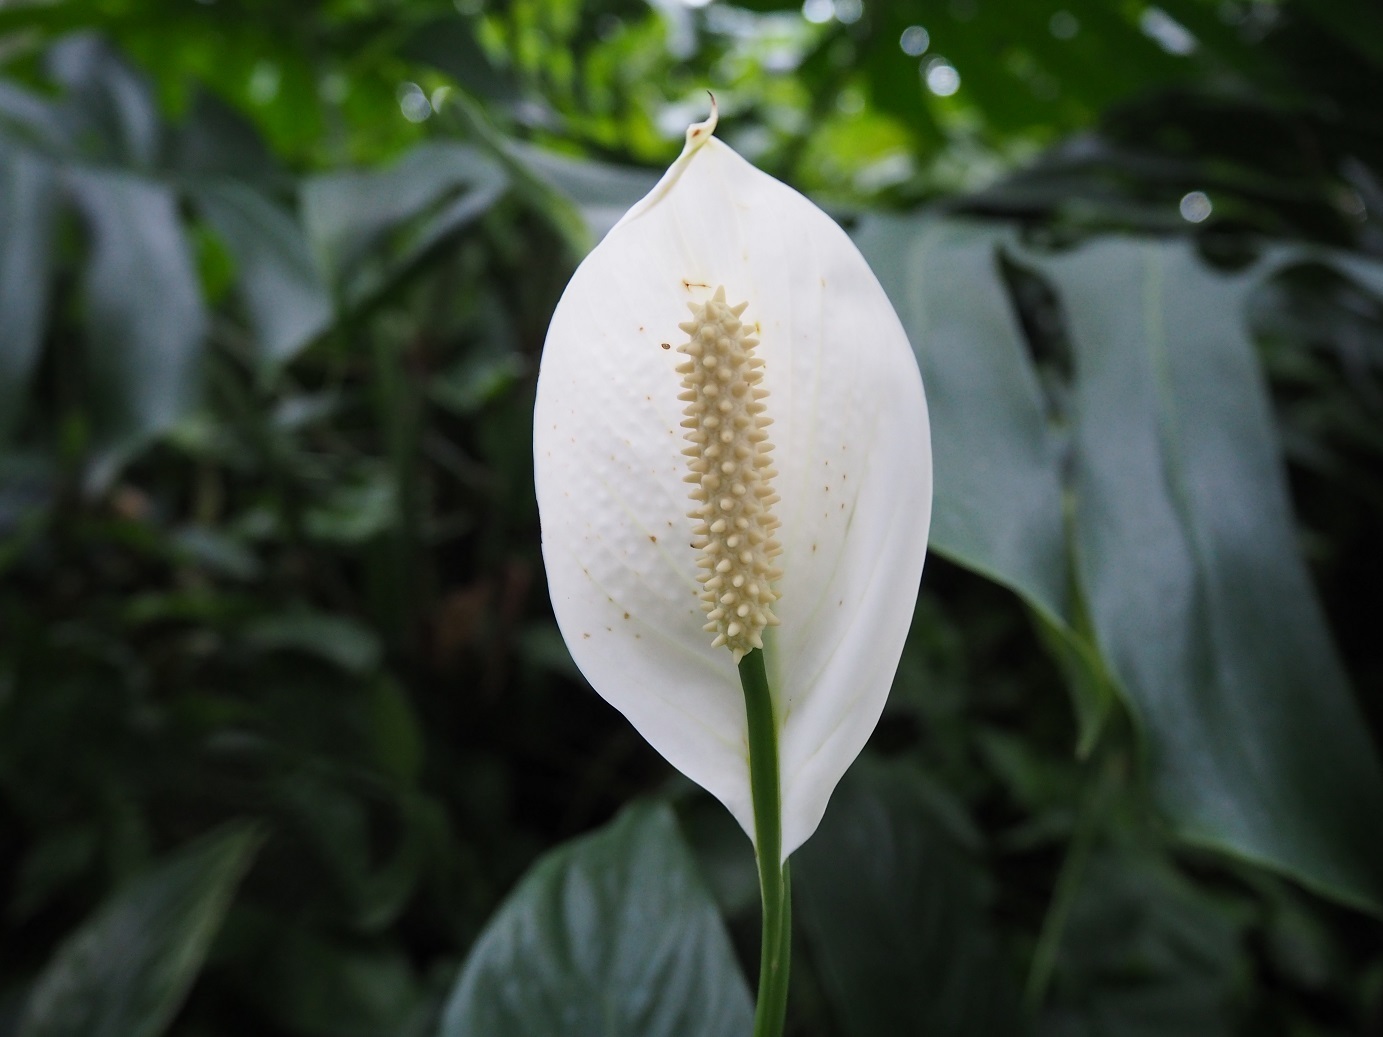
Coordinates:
732 452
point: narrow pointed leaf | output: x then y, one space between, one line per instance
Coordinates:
144 312
613 934
126 971
366 227
108 111
287 301
602 193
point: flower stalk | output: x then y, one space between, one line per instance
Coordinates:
774 888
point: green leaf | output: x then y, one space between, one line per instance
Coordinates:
1145 954
1168 482
316 986
368 227
998 504
894 901
337 640
108 109
145 317
285 298
477 379
449 44
361 506
612 934
215 140
216 551
126 971
1093 694
394 731
369 876
601 193
28 206
28 119
1187 555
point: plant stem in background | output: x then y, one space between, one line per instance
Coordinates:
1091 815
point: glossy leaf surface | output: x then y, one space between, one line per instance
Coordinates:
1180 527
612 934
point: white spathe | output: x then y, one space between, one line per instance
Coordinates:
853 454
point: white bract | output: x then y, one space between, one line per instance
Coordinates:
724 317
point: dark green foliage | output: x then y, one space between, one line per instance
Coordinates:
1157 494
613 934
269 551
896 908
128 969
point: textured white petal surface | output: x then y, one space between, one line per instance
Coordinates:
852 449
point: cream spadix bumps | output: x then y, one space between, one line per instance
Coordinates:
725 287
732 473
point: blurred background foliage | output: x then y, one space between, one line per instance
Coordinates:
284 717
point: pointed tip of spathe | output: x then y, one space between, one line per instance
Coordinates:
699 133
697 136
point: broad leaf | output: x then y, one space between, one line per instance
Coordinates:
127 970
1185 557
367 227
215 140
285 298
1199 597
896 910
145 316
1145 953
108 110
449 44
337 640
28 119
601 193
610 935
998 507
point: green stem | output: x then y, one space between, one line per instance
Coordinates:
765 789
1088 821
